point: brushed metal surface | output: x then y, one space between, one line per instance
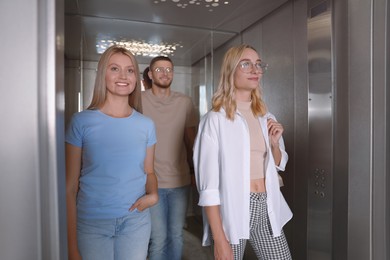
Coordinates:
320 113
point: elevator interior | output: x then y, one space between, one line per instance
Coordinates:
305 87
308 87
327 84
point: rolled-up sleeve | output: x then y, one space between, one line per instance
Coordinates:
284 159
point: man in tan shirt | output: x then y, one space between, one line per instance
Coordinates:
176 121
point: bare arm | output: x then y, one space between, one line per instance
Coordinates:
73 167
189 139
151 181
151 196
222 248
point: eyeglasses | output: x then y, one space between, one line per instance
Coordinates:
247 66
163 70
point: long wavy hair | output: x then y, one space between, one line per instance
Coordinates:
100 89
224 96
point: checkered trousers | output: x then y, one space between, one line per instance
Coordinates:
265 246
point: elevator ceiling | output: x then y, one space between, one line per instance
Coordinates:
193 28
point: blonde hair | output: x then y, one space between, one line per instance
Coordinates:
224 96
100 89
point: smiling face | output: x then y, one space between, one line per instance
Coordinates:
161 73
120 76
246 82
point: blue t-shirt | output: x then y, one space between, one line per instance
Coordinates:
113 152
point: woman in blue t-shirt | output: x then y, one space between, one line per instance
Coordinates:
110 181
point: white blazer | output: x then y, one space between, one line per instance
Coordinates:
222 171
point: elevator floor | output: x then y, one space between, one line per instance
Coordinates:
193 249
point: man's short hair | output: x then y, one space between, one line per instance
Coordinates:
158 58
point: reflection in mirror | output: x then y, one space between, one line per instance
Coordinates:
87 37
190 30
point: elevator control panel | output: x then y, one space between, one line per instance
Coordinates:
320 183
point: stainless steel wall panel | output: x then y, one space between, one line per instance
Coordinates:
387 125
279 90
341 128
51 107
320 112
278 82
300 154
360 127
380 132
19 159
32 215
253 36
217 59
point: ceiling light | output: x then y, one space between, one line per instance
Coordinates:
209 4
139 48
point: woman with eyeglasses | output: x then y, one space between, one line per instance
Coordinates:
238 152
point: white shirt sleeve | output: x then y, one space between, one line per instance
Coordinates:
206 164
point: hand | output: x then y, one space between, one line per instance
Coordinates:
223 250
275 131
193 180
145 201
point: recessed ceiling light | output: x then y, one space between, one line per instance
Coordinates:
139 48
185 3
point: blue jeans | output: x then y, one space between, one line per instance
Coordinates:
168 218
117 239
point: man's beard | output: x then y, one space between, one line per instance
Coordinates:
162 85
